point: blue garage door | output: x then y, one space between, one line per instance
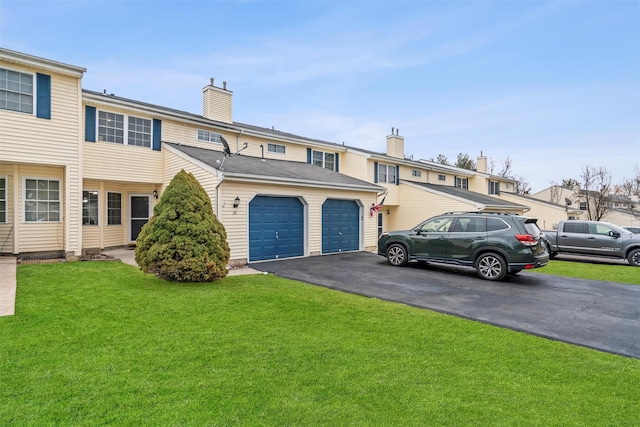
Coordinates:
340 226
276 228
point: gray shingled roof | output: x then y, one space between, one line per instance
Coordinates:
239 166
470 195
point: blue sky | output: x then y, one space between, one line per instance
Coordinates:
554 86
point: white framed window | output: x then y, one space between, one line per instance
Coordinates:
494 187
139 132
16 91
416 173
112 126
583 206
462 183
3 199
442 178
41 200
90 207
323 159
387 173
114 208
205 135
276 148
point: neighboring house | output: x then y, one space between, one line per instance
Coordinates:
621 211
548 214
82 170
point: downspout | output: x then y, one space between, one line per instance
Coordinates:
238 139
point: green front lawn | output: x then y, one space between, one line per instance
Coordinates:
622 273
101 343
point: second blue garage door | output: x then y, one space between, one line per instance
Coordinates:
340 226
276 228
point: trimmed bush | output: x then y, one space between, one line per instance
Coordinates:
183 241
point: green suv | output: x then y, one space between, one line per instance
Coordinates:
493 243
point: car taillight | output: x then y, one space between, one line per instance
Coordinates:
527 239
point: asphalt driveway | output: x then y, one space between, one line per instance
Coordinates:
590 313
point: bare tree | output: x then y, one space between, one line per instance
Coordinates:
521 186
442 159
505 172
465 162
630 189
569 183
554 192
595 190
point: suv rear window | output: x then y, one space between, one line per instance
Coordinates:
494 224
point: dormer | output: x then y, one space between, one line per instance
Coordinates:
217 103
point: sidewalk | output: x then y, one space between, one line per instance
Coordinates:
7 285
128 257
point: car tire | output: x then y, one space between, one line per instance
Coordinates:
397 255
634 257
552 255
491 266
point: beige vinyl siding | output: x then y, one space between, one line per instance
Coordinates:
479 184
237 224
546 214
433 178
418 205
355 165
174 163
114 162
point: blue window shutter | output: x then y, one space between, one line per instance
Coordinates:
337 163
90 123
43 97
397 175
157 134
308 155
375 172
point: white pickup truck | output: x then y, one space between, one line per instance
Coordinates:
593 238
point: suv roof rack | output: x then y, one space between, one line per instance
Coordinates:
482 213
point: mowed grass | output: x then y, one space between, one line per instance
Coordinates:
101 343
621 273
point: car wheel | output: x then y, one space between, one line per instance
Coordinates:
552 255
491 267
634 258
397 255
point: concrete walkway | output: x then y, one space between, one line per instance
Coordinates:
8 266
128 257
7 285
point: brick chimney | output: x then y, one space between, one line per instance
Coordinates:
395 144
481 165
217 103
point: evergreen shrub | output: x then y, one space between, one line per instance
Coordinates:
183 241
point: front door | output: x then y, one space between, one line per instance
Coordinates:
139 214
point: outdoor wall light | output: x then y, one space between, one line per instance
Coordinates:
155 194
236 202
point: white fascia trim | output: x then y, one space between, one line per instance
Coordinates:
23 59
299 182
